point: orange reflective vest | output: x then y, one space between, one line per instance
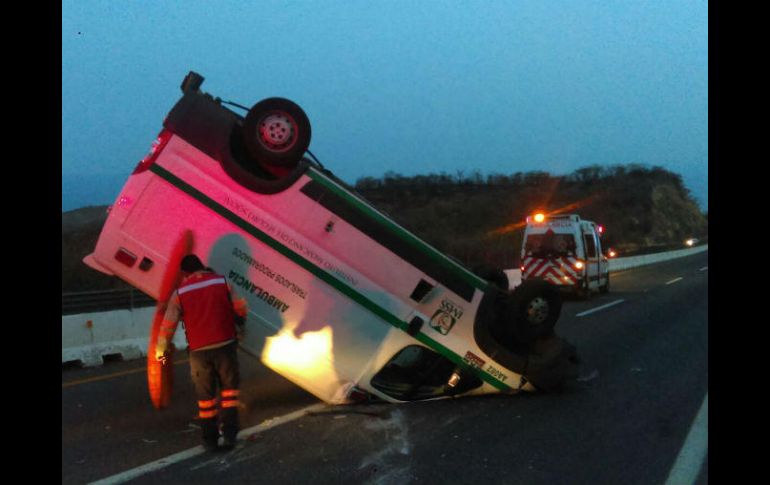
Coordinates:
206 310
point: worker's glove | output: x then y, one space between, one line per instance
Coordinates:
163 351
240 327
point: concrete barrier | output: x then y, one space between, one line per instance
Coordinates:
619 264
88 337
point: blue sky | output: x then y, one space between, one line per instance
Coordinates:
406 86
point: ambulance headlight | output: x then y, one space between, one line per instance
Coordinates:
579 265
539 217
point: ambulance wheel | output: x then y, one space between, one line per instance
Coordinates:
605 288
276 133
533 309
494 275
582 292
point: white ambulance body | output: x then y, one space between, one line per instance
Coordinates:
565 251
342 300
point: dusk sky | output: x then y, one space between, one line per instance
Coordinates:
412 87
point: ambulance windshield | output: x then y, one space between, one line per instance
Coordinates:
417 372
549 245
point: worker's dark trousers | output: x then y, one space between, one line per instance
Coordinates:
212 369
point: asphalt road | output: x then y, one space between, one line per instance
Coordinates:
644 380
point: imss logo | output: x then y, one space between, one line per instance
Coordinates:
445 317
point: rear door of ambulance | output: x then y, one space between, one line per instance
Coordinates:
592 255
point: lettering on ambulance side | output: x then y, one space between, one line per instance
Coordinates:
474 360
242 282
267 271
477 362
497 374
274 232
446 316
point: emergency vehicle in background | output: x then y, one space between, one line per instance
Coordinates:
566 251
342 301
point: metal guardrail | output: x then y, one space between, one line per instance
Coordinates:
104 300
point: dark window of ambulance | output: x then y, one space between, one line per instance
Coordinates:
590 245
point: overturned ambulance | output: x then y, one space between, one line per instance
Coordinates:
342 300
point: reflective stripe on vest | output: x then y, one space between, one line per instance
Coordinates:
206 310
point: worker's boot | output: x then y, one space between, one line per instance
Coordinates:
210 433
229 427
229 415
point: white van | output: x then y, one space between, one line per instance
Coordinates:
343 301
566 251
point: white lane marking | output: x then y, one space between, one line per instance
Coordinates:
198 450
582 314
690 459
589 377
705 268
674 280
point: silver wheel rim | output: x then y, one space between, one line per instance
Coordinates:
537 310
277 131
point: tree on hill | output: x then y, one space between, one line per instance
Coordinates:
640 206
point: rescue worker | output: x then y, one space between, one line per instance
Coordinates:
213 318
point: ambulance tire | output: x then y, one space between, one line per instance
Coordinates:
582 292
276 132
494 275
532 310
605 288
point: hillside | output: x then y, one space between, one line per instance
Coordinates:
479 220
80 230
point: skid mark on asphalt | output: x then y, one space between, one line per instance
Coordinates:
397 443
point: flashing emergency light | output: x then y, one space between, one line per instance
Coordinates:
579 265
601 229
612 253
539 217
